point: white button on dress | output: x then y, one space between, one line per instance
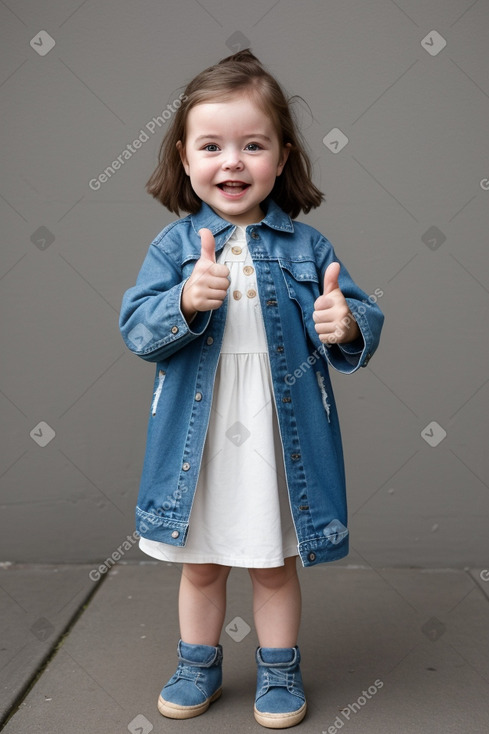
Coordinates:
241 513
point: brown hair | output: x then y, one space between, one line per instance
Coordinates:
293 190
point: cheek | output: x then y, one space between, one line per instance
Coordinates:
265 170
202 170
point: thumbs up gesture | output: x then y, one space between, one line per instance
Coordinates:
333 319
206 288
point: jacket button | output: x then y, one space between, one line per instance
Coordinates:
174 329
186 466
280 349
175 534
287 400
295 457
210 340
312 556
198 396
255 235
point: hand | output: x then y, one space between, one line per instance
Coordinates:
333 319
206 288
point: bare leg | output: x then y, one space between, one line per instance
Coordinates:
202 602
277 604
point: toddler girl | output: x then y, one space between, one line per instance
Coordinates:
242 310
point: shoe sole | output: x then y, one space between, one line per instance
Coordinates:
175 711
280 721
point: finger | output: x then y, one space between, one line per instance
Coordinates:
218 284
331 276
324 302
333 338
213 305
214 298
219 270
323 317
330 336
324 327
207 245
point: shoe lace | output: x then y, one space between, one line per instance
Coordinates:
280 678
187 672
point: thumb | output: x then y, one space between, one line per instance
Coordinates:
207 245
331 278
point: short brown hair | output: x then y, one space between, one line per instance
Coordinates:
293 190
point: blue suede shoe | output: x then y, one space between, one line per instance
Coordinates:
195 684
280 700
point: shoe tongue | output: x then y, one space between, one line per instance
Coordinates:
277 654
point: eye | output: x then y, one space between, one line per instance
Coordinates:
211 147
253 146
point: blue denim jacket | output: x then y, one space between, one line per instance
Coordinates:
289 259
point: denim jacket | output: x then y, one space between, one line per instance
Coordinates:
289 259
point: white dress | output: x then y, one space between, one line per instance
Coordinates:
241 513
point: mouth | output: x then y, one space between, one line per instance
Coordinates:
233 188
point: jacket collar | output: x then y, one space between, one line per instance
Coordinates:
274 218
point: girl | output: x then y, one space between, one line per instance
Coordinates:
242 309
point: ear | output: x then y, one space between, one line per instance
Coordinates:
183 157
283 158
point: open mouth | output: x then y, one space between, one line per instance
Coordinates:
233 187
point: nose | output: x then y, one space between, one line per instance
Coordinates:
233 161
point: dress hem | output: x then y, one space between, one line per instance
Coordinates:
220 561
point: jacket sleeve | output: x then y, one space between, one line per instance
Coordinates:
151 320
349 357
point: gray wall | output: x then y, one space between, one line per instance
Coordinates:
407 211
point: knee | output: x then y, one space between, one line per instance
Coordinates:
205 574
272 578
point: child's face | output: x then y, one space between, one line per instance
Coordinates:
232 155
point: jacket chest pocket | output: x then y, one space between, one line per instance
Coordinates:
302 281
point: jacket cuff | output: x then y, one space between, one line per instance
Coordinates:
349 357
173 331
